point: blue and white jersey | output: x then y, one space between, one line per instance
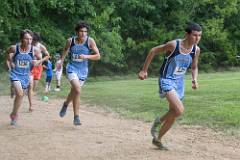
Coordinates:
23 65
176 64
76 64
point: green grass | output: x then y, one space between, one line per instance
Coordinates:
4 83
215 104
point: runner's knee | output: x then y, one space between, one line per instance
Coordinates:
178 110
19 94
76 90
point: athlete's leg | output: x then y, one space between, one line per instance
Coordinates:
74 96
35 83
58 79
47 84
69 99
11 90
58 83
176 108
37 74
18 97
30 94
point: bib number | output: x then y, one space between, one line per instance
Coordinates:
180 70
77 58
23 64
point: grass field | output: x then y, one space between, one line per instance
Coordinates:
215 104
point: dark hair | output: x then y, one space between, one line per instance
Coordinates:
191 26
81 25
36 37
25 31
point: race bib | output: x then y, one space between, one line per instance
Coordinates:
77 58
180 70
23 63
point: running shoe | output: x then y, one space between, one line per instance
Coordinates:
63 111
155 124
76 120
159 144
30 109
13 120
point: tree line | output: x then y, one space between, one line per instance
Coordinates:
125 30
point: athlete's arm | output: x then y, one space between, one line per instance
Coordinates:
44 49
95 49
168 47
66 49
195 69
10 53
8 64
37 54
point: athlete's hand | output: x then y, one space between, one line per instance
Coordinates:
82 56
142 75
12 65
46 57
194 84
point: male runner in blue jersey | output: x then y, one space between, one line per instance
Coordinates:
78 48
21 60
180 54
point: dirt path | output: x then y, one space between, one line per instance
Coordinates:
43 135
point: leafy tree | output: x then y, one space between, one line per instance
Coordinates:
126 30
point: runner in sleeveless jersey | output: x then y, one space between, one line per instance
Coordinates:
21 59
79 49
180 54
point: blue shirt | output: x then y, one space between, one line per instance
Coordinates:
49 71
22 61
176 64
76 64
23 65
